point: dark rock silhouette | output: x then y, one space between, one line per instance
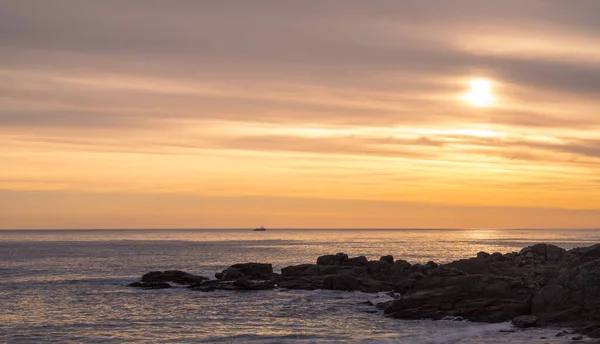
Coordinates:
542 284
525 321
388 259
175 276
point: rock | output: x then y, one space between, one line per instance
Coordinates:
483 255
254 270
388 259
341 282
152 285
231 274
313 270
554 252
539 250
362 260
577 338
158 285
299 270
377 267
590 331
383 305
303 283
525 250
545 251
431 265
542 281
175 276
399 269
475 297
213 285
574 296
549 299
471 265
525 321
589 253
247 284
331 259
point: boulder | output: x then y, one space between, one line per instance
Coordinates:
361 261
483 255
332 259
545 251
231 274
388 259
525 321
554 252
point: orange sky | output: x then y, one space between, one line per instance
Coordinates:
298 114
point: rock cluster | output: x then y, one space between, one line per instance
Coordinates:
541 284
160 279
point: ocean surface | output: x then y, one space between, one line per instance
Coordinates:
70 286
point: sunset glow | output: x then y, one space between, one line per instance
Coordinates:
210 115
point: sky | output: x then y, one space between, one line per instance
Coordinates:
345 114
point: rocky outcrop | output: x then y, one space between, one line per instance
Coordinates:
338 272
161 279
541 284
478 297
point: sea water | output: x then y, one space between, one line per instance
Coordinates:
70 286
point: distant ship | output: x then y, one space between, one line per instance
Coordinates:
261 229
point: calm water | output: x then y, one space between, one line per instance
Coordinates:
69 286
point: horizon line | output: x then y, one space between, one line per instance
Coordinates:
292 228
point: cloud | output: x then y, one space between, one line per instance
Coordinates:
327 43
312 98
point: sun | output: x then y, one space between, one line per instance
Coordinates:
480 94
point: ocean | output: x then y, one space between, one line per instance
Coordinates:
70 286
